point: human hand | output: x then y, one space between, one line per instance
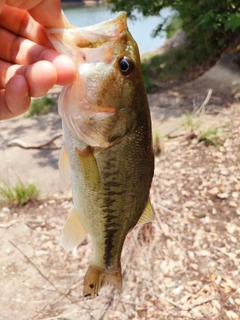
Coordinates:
29 66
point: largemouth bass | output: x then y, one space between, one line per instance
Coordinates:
107 150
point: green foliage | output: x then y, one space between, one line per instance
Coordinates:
210 25
173 26
20 194
233 22
41 106
168 66
190 122
148 8
210 137
147 78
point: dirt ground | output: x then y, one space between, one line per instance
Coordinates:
184 265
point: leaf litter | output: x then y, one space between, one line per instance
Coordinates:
184 265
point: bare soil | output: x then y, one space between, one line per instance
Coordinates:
184 265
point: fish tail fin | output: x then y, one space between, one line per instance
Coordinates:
96 278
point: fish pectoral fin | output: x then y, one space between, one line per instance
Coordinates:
89 168
64 167
147 215
96 278
73 232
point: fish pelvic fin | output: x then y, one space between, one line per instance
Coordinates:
73 232
96 278
147 215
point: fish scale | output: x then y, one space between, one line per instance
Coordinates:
107 150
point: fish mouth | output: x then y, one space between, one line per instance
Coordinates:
76 42
112 27
101 33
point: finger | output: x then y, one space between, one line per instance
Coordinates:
65 67
19 21
18 50
53 15
47 13
40 77
14 99
2 4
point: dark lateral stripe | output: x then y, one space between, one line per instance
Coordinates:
109 244
111 184
106 210
111 226
111 193
109 202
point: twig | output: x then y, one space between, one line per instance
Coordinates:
221 251
201 109
24 145
63 294
9 224
197 111
190 306
155 204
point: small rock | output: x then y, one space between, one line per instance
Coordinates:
224 172
238 211
231 228
189 204
199 214
214 211
6 210
214 190
235 195
222 195
232 204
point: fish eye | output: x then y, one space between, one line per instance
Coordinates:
126 66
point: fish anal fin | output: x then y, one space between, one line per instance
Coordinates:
89 167
64 167
147 215
73 232
96 278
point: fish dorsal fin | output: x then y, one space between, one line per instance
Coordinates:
89 168
147 215
64 167
73 232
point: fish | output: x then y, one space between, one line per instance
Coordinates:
107 151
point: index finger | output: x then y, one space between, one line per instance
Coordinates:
46 12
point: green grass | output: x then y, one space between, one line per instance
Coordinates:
157 145
190 122
19 194
210 137
41 106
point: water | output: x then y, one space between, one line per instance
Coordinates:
140 29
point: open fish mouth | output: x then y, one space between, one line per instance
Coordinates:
87 37
111 27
